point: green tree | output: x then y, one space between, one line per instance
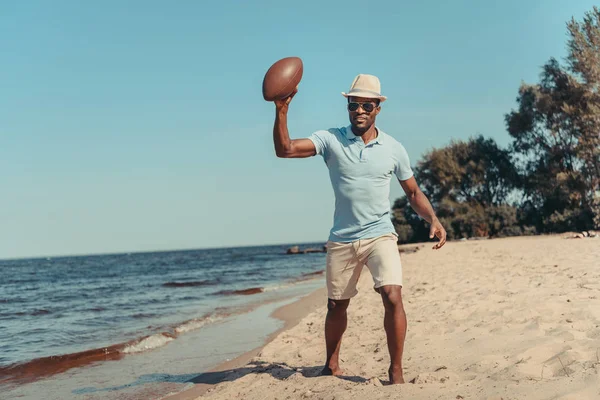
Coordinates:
468 183
584 62
475 171
555 134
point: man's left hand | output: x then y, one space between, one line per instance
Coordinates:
438 231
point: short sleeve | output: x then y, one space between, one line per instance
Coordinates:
321 140
402 168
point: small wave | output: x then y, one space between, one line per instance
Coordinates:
18 313
296 281
32 370
279 287
35 313
308 276
143 315
244 292
188 298
149 343
10 301
197 323
314 273
96 309
40 312
46 366
189 284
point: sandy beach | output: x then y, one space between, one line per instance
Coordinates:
515 318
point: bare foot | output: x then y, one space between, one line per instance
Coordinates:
333 370
395 374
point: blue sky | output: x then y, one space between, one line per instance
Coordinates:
138 125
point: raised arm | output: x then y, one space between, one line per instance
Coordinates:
284 146
420 203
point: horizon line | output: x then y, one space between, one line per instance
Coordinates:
111 253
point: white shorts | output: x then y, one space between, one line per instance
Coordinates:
345 262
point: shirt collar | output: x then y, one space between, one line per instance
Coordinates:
351 136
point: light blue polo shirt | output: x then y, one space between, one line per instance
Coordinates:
360 175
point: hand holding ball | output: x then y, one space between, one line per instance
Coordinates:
282 78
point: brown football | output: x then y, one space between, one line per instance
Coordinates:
282 78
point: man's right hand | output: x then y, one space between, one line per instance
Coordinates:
283 104
284 146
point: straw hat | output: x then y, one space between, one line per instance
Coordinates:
365 86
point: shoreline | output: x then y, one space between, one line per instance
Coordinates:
291 314
488 319
248 330
48 367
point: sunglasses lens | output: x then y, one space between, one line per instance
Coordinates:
368 107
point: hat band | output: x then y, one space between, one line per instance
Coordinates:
364 91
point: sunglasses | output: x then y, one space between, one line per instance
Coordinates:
368 107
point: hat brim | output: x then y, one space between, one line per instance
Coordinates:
364 94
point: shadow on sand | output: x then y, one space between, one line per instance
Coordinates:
279 371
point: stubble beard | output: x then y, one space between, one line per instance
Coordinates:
359 131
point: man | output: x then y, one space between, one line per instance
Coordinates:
362 160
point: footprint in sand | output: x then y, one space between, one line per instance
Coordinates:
565 363
440 375
545 361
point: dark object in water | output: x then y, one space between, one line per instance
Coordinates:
254 290
296 250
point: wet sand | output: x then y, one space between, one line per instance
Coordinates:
290 314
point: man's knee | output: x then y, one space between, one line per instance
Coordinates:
391 295
337 306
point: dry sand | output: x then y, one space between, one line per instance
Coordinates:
515 318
